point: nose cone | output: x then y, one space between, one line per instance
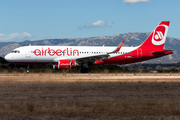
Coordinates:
8 58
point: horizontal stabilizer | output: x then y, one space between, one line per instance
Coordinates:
161 51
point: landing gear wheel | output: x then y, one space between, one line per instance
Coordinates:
84 70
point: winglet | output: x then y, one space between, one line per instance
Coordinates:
120 45
118 48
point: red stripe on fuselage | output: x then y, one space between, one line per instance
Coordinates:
131 58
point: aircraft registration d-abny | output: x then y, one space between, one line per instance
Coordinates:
69 57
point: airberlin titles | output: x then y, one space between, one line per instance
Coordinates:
58 52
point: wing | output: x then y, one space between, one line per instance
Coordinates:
92 58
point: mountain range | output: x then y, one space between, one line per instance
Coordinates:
131 39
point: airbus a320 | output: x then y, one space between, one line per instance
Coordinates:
69 57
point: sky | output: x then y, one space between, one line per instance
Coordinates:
48 19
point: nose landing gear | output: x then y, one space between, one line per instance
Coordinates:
27 69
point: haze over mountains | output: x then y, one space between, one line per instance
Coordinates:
131 39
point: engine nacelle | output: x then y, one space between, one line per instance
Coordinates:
65 64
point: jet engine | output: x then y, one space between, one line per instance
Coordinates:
65 64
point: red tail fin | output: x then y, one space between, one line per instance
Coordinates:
158 37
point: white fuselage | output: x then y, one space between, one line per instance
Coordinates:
51 54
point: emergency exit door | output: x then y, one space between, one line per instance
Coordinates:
139 53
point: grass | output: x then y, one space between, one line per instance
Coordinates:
88 100
93 109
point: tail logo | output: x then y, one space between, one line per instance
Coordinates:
159 35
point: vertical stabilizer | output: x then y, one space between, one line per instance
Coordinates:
158 37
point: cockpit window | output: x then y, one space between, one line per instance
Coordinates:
15 51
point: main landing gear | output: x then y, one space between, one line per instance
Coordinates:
85 68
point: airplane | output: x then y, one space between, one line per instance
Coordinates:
69 57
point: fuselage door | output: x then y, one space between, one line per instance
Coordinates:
139 53
28 52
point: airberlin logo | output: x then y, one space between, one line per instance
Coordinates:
159 35
58 52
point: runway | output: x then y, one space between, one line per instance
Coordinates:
68 77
